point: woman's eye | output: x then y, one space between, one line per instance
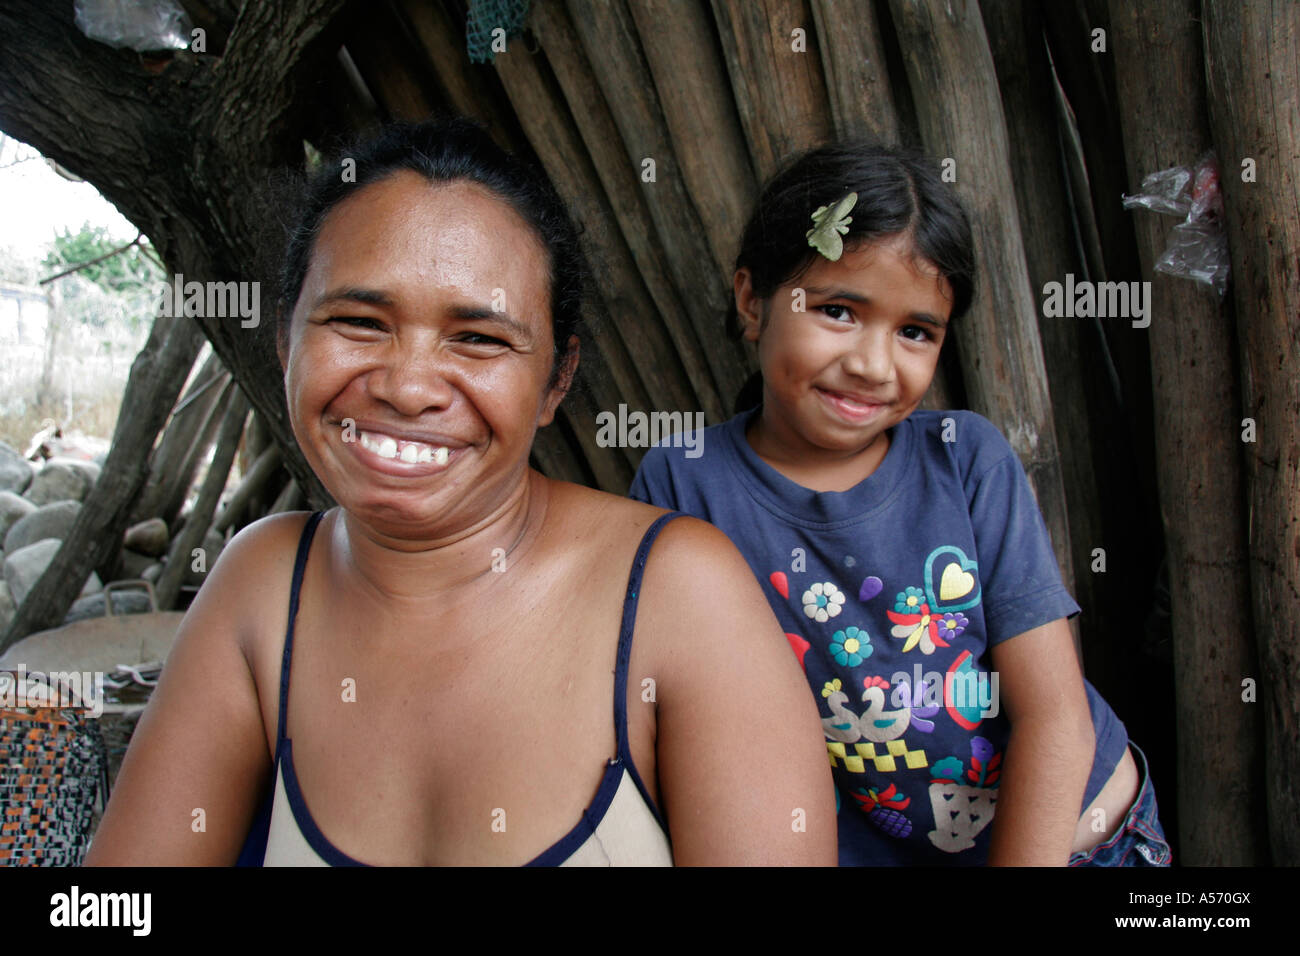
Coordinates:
357 321
835 311
478 338
916 333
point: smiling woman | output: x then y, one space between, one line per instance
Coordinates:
488 666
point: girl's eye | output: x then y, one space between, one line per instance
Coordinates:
835 311
916 333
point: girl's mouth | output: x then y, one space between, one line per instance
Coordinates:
850 409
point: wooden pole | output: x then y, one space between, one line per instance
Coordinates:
1253 77
961 118
196 526
853 61
691 83
607 34
1161 80
1070 346
772 57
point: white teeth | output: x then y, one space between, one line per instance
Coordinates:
408 451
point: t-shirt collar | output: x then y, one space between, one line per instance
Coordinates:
793 501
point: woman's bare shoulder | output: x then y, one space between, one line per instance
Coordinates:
252 576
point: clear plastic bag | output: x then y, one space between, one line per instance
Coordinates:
140 25
1198 246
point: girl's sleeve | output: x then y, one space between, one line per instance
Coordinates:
653 482
1021 583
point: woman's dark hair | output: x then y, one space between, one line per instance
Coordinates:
899 192
445 151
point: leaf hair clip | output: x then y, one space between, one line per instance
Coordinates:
829 223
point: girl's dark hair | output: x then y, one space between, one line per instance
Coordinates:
899 192
445 151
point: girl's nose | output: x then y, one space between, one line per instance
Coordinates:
412 379
871 358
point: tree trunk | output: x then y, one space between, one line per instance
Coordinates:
204 132
1253 76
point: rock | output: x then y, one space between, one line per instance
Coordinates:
213 542
134 564
15 472
23 568
124 602
12 507
52 521
7 607
148 537
87 467
58 481
152 572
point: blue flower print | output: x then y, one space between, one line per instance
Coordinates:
851 646
909 601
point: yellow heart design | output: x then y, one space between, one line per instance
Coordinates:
955 583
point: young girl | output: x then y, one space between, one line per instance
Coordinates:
902 550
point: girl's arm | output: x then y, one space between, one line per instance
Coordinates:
1050 751
741 760
198 762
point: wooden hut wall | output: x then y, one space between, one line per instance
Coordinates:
658 120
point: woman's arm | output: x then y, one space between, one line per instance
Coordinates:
1050 751
198 764
742 768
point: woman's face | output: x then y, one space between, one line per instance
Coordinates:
419 353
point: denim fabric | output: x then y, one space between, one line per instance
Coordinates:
1141 839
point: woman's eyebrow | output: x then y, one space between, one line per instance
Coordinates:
353 294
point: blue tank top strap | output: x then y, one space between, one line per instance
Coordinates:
253 851
625 652
299 566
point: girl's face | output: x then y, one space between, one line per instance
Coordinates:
418 354
858 358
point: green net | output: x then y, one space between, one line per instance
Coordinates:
486 17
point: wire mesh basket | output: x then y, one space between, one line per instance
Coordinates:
53 767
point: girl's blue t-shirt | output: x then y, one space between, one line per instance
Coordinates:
891 594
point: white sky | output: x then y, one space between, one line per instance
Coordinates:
36 202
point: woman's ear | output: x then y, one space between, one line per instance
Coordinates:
563 382
748 306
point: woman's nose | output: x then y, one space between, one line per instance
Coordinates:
412 378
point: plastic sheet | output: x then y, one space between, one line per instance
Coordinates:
140 25
1198 246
